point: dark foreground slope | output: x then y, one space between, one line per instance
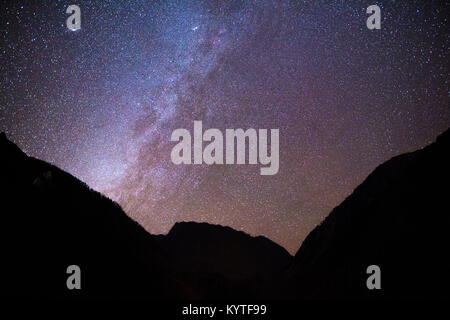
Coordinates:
398 219
50 220
222 262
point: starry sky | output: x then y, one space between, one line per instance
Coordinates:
102 102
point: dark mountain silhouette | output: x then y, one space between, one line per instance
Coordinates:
398 219
223 262
51 220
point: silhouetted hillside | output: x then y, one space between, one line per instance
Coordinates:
223 262
398 219
51 220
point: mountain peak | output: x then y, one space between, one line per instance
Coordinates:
397 217
207 230
189 226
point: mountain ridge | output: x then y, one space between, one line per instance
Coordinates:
384 221
397 218
62 221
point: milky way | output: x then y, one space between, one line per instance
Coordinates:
102 102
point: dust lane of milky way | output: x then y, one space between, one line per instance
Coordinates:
102 102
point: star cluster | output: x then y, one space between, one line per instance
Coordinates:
101 102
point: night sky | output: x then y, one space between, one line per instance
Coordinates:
102 102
